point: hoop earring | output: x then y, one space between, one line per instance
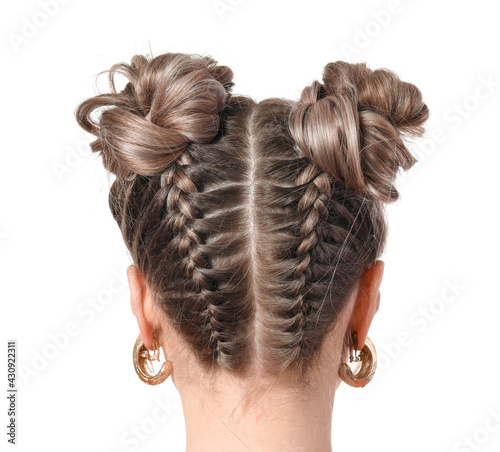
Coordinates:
368 358
142 362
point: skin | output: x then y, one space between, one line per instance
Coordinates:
258 413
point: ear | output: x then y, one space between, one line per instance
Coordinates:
142 304
367 302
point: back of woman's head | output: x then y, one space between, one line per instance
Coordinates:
252 223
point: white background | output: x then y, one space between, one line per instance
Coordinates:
63 260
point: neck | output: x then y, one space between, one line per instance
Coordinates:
273 418
224 413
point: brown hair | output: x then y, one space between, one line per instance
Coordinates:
252 222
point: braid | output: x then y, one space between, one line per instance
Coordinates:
185 245
312 206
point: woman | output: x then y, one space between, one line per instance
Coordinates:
255 230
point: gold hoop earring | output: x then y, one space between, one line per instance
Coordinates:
368 359
142 362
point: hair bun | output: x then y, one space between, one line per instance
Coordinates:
169 102
352 126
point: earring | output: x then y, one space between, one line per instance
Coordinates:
368 359
142 362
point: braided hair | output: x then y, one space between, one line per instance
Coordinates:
252 222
